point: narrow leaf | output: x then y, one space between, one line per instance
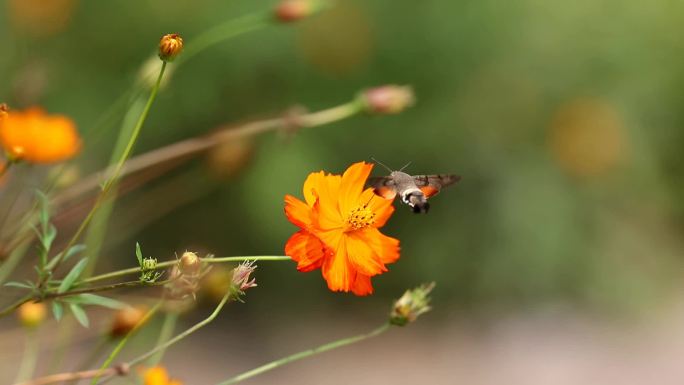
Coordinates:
73 250
18 284
80 314
57 310
97 300
138 253
49 236
73 275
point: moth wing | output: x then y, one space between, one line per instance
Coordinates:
383 186
430 185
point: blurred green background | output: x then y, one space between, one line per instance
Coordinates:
564 119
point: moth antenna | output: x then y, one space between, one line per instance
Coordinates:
406 165
380 163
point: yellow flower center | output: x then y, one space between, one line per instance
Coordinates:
360 218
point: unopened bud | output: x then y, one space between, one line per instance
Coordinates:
170 46
388 99
149 264
126 319
190 263
293 10
32 314
411 305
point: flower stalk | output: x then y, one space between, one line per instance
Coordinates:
304 354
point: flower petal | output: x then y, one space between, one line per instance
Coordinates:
386 248
362 285
298 212
351 186
337 270
360 254
306 250
321 190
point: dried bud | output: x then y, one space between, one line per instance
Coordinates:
292 10
170 46
190 263
412 304
241 275
388 99
126 319
32 314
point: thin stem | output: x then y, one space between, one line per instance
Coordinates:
304 354
120 370
14 306
224 31
161 265
9 309
30 357
186 333
97 289
192 146
123 342
117 170
167 328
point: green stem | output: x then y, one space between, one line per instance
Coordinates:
161 265
30 358
123 342
119 166
167 328
186 333
224 31
304 354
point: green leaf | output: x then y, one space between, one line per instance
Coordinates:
138 253
44 210
49 237
57 310
97 300
73 250
18 284
80 314
73 275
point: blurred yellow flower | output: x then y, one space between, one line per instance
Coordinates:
587 137
41 17
158 376
32 314
33 136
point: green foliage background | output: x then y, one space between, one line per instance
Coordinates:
490 76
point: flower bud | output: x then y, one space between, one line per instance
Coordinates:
170 46
412 304
190 263
292 10
388 99
4 109
126 319
32 314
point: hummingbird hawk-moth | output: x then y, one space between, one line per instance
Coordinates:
414 190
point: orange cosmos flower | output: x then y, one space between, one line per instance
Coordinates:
36 137
339 234
158 376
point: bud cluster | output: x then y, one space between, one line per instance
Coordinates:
185 276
